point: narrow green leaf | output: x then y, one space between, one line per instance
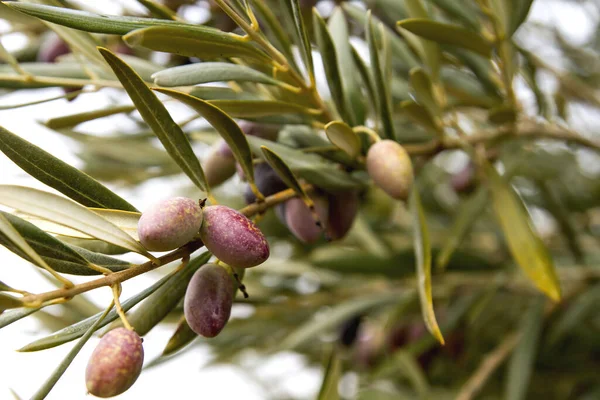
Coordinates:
7 57
59 256
80 42
190 43
157 117
158 10
227 128
160 303
526 247
206 72
260 108
100 23
78 329
275 31
429 51
405 364
423 91
42 392
519 11
9 234
331 66
336 315
311 167
7 301
442 33
367 79
302 34
423 256
466 12
402 55
182 336
420 115
14 315
284 172
59 175
341 135
502 115
331 378
354 99
467 214
72 120
125 220
520 365
66 212
575 315
383 97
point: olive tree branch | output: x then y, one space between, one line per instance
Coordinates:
525 129
113 279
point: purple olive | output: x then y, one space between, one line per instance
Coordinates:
266 180
52 48
169 224
300 221
115 364
389 165
233 238
464 180
343 208
208 300
220 164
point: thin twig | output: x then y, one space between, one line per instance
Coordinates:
487 367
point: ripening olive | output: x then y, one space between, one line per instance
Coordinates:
343 208
169 224
208 300
220 164
389 165
300 220
233 238
115 364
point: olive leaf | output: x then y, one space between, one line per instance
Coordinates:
72 120
66 212
447 34
206 72
526 247
342 136
58 174
182 336
423 257
333 372
157 117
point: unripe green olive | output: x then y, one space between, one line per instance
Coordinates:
115 364
169 224
233 238
390 167
208 300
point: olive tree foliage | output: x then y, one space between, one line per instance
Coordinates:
401 190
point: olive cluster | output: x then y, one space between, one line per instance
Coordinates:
237 243
235 240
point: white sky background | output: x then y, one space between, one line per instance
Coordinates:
184 377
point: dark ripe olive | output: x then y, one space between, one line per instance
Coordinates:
220 164
349 330
267 181
464 180
115 364
208 300
300 221
264 131
169 224
233 238
390 167
343 208
52 48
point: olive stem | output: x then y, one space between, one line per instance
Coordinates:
116 290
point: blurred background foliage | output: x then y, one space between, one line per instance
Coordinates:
477 87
